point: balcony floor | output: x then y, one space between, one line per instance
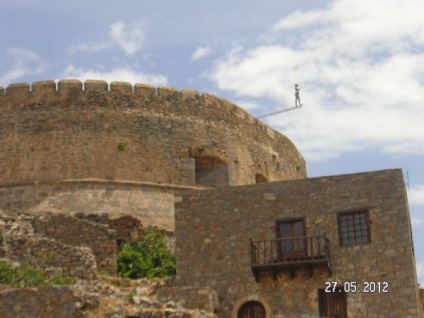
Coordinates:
292 265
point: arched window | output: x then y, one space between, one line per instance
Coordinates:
252 309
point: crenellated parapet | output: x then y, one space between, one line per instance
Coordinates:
118 131
26 94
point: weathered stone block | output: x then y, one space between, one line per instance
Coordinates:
121 87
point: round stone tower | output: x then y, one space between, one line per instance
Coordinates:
121 149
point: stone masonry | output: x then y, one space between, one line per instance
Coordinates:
213 248
135 133
86 167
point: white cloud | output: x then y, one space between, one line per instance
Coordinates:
117 74
416 200
88 47
360 67
247 104
416 195
129 38
299 19
201 52
24 63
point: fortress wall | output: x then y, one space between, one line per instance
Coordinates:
153 205
72 130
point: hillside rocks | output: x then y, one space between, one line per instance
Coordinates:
108 297
72 247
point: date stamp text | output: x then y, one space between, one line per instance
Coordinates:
355 287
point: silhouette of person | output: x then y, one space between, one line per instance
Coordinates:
297 101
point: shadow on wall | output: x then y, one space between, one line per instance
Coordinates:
260 178
211 171
128 229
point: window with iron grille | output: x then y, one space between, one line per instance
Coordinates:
354 227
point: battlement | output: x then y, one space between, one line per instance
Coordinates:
64 86
50 91
25 92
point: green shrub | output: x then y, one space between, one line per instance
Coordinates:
60 280
6 273
149 257
122 145
27 276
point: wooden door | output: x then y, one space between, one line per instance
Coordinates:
293 240
251 309
332 304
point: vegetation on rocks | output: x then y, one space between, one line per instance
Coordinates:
25 275
149 257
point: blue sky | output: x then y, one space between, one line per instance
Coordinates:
360 66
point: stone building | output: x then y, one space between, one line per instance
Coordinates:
338 246
85 167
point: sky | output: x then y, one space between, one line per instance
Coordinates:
359 65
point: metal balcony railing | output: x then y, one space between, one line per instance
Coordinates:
290 253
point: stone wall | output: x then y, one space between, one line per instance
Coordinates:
135 133
49 254
46 302
109 297
214 228
152 204
189 297
77 232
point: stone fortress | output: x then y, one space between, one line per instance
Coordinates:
86 167
123 151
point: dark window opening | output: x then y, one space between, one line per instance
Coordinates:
260 178
354 227
332 304
211 171
252 309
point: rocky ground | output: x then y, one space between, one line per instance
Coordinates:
93 295
119 297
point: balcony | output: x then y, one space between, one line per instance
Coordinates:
290 254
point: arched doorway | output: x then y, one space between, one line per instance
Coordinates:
252 309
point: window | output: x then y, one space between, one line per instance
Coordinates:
251 309
354 227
